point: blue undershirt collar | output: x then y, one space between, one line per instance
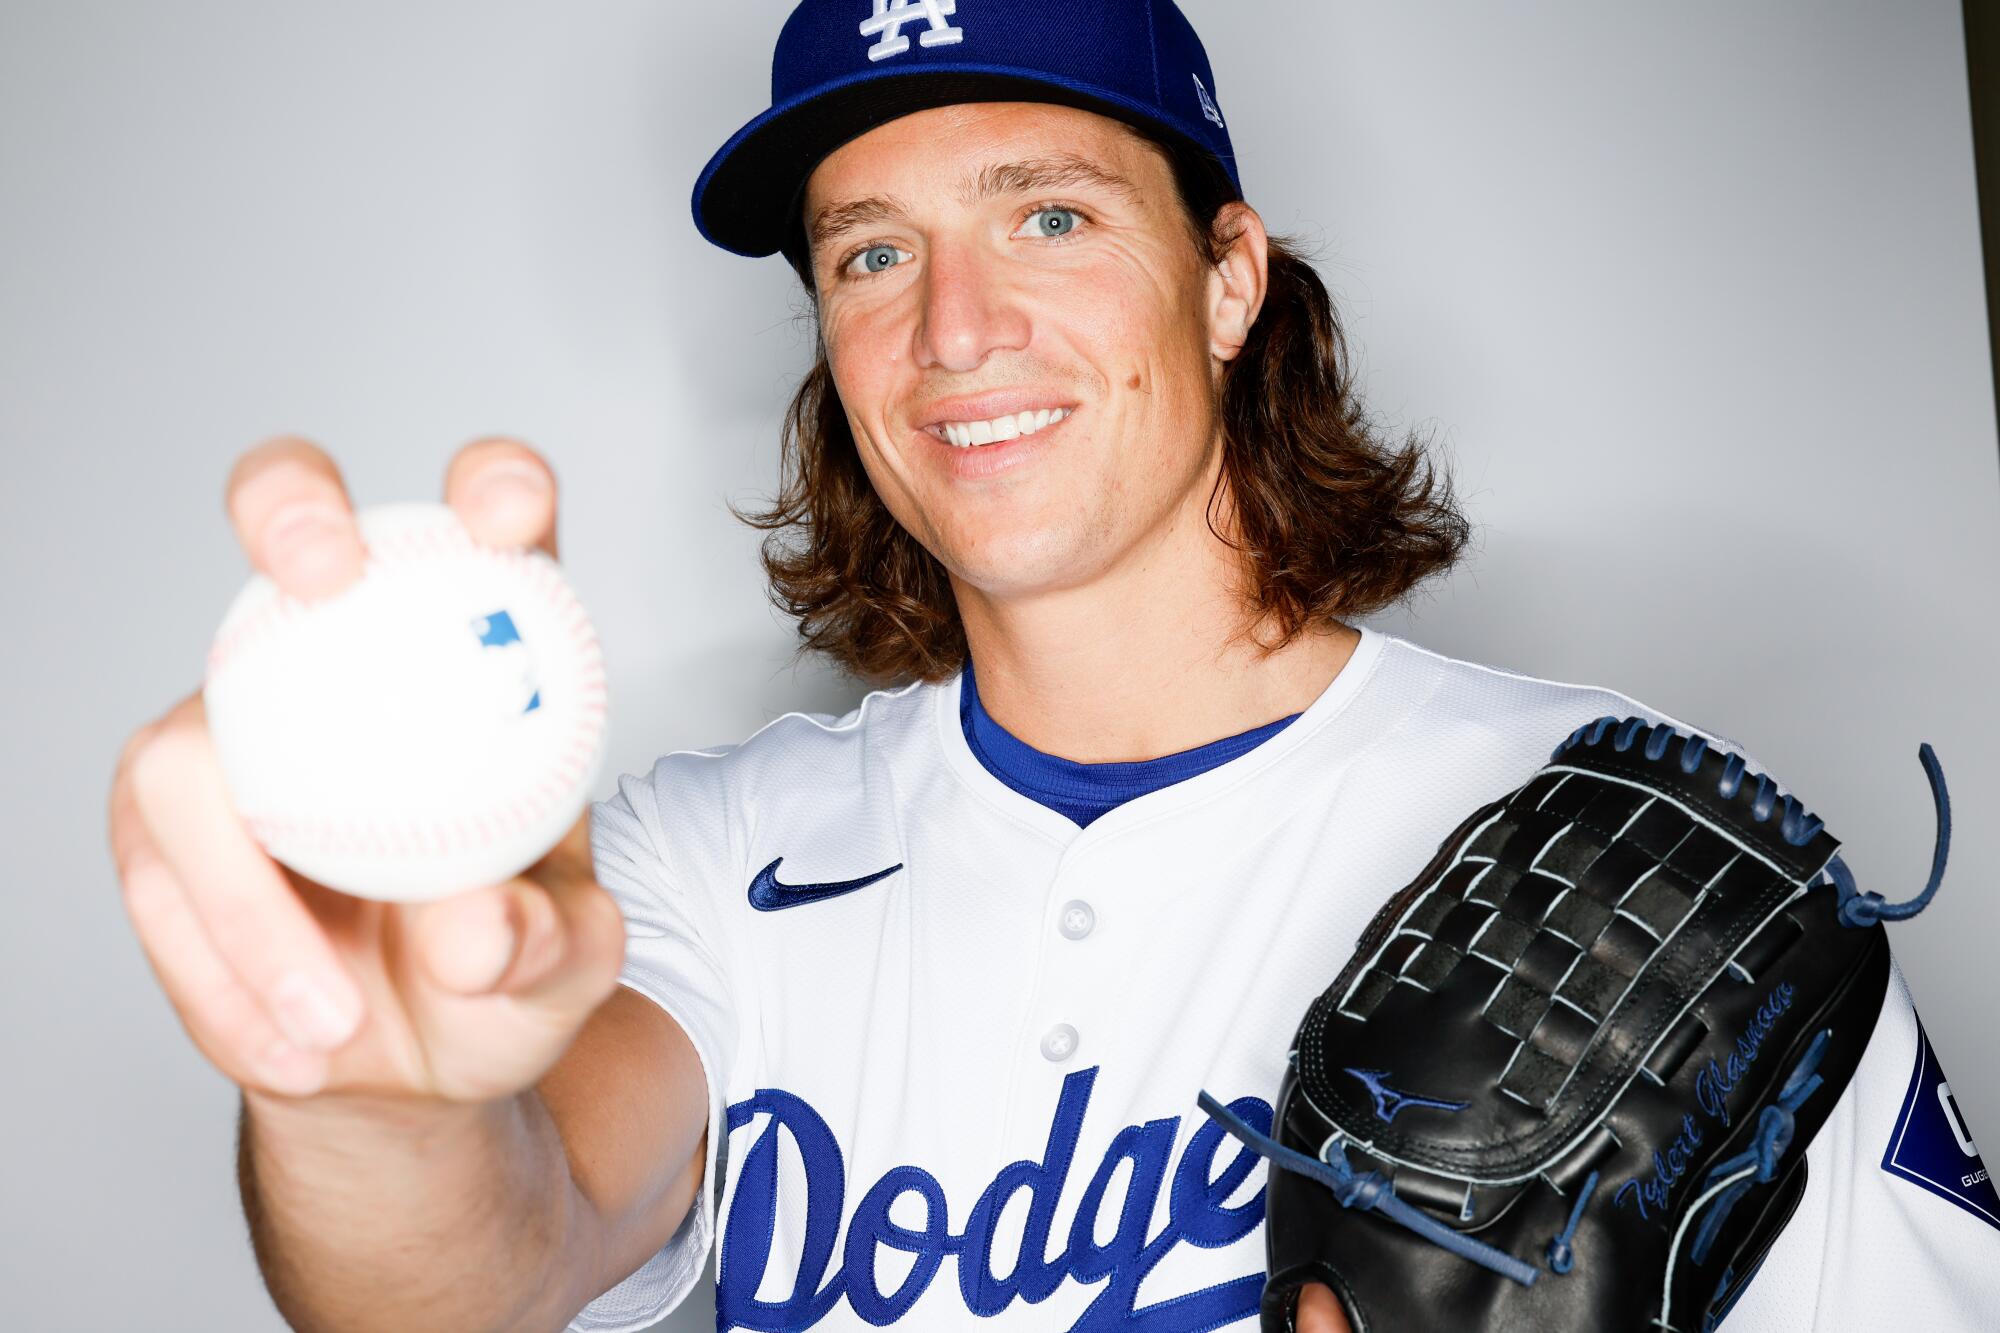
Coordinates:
1082 792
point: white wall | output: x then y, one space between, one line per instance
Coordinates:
1691 294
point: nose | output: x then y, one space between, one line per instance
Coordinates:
969 312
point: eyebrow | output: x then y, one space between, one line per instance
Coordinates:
836 220
1033 175
1045 173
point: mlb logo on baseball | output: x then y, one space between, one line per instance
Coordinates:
891 15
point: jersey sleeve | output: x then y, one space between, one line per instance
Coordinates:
673 958
1899 1226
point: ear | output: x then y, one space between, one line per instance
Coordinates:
1236 284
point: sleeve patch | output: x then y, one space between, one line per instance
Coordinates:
1932 1146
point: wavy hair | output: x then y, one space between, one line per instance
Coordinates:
1331 518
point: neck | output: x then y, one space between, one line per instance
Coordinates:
1151 658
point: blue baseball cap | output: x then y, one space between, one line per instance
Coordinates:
842 67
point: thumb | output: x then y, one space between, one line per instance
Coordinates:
467 942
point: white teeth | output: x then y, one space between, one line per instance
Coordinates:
968 434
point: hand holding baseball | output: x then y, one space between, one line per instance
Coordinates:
294 989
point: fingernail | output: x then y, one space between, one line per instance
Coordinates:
308 1014
500 480
302 544
284 1068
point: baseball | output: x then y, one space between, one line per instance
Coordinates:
434 727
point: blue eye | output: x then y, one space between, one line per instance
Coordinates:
879 257
1052 221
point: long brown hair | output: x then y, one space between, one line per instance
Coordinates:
1332 519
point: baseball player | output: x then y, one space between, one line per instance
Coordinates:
900 1017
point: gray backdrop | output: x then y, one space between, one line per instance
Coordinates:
1690 294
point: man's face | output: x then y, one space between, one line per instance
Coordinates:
987 268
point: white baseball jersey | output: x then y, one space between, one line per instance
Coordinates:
953 1040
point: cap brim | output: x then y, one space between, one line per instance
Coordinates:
747 198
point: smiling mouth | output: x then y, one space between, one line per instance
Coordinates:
972 434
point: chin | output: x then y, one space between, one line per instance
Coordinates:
1025 564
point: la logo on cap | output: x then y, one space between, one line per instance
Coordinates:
891 15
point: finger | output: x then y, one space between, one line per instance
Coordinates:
551 935
243 900
569 959
292 515
220 1014
504 494
1319 1310
465 942
573 934
558 947
470 942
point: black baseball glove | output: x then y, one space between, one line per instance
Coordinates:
1567 1080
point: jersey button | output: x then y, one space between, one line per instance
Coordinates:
1077 919
1059 1042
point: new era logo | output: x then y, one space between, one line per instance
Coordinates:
1208 109
890 16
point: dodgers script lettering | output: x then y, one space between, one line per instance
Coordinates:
1197 1214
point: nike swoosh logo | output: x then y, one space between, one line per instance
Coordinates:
768 895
